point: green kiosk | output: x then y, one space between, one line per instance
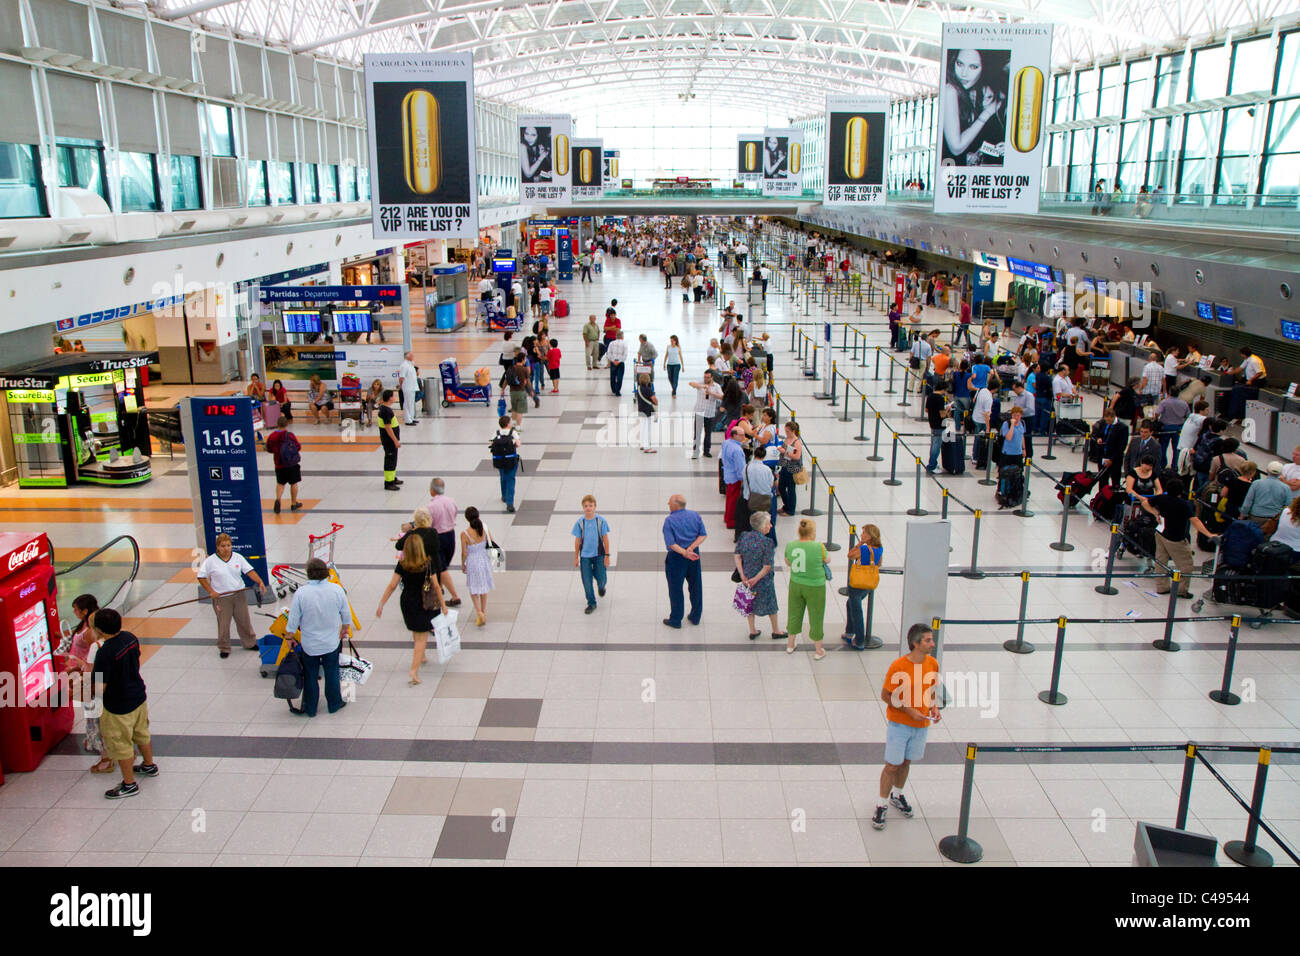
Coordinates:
79 417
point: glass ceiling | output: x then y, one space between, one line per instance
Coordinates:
577 55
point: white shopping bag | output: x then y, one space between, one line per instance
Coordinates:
447 634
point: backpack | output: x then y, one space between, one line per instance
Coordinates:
1203 452
1239 542
290 449
503 451
290 678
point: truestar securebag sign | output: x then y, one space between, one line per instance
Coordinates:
544 171
855 150
749 157
421 113
992 98
782 162
610 167
585 160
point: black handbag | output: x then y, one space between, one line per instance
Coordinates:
430 592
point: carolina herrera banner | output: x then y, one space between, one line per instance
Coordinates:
544 170
856 138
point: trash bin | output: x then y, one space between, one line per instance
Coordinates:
433 396
1165 846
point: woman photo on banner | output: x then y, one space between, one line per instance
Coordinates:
775 151
974 107
535 154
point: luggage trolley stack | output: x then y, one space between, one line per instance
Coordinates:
456 393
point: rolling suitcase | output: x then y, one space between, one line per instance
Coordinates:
952 455
1272 559
1079 482
1011 486
561 308
981 454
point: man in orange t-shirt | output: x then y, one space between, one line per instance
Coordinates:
909 692
942 358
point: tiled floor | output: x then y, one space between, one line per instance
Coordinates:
557 737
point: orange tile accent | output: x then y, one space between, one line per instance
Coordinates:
148 650
154 626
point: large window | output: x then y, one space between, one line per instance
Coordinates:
281 177
1085 102
349 184
255 182
307 182
363 182
329 184
1281 176
222 141
186 193
1169 71
1137 96
81 165
21 192
139 182
1252 66
1288 72
1209 73
1132 158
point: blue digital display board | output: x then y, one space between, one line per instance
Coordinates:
229 496
1225 314
1205 310
1037 271
352 320
563 254
1291 330
503 265
301 323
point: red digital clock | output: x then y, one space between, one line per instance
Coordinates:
217 411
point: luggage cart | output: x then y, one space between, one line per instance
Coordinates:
454 392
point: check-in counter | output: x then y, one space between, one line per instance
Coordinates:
1288 426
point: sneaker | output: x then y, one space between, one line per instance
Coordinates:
878 818
147 770
591 608
899 803
276 507
510 509
708 455
122 790
392 486
600 591
224 654
295 506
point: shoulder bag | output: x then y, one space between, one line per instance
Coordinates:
864 577
496 554
430 590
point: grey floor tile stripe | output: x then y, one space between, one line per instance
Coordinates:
623 752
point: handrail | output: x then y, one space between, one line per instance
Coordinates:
135 563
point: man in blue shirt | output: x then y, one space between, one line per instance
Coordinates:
320 612
733 471
1013 438
979 373
591 549
683 534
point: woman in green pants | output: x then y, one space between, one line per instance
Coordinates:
806 559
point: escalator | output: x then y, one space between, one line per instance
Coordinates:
109 573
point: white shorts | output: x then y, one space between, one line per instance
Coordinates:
904 743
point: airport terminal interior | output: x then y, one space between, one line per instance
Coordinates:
783 194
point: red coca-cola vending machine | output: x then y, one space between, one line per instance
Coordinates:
35 714
900 282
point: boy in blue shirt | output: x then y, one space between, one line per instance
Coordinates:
591 550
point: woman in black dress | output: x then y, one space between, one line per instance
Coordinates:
414 568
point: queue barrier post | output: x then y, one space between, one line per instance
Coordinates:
1245 852
916 510
890 389
1023 511
944 508
1224 694
1167 642
960 848
830 544
974 573
812 510
815 375
846 417
907 387
1051 437
1062 544
1106 587
1185 790
871 641
862 418
1020 645
893 464
834 392
1054 695
876 377
853 543
875 448
988 459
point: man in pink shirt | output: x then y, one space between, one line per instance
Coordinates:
442 509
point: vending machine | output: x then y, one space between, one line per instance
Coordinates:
35 713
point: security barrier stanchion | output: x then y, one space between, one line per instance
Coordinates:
876 377
844 417
830 544
988 460
1167 642
974 573
1051 438
960 848
1020 645
853 543
890 389
872 642
1224 694
1062 544
916 510
834 393
792 336
1023 511
815 375
844 346
862 418
1054 696
944 512
1185 791
893 464
1245 851
812 509
875 448
907 387
1106 587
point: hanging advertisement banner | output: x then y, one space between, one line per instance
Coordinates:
609 171
749 158
585 161
782 158
421 122
544 170
992 98
856 135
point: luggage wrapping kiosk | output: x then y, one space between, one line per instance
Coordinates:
79 417
446 309
1264 412
925 584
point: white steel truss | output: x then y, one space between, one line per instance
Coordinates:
566 54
